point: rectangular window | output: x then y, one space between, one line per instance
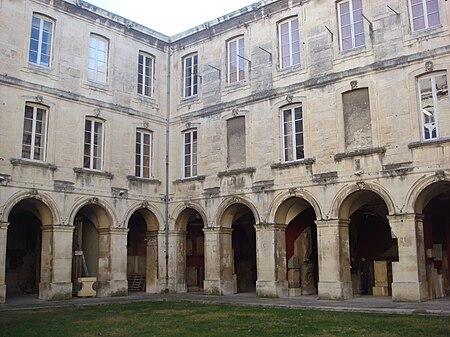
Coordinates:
145 74
434 98
190 75
351 24
289 40
143 168
190 154
98 59
40 41
236 62
292 125
93 144
424 14
34 132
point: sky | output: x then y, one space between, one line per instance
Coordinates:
171 17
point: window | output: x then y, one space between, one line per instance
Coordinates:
190 154
93 144
98 59
292 125
433 98
41 41
143 168
351 24
190 75
424 14
145 74
236 65
289 43
34 132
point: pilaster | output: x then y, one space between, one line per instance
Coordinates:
219 262
3 237
271 260
152 263
334 259
409 273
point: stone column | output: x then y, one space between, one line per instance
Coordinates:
3 236
177 261
409 273
219 262
271 260
152 263
56 262
334 259
112 262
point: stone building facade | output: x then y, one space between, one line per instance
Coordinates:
291 147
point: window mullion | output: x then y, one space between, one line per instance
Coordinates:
40 40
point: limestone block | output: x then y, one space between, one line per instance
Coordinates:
294 278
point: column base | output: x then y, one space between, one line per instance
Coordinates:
335 290
55 291
218 287
409 291
271 289
112 288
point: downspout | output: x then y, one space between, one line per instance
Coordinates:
166 193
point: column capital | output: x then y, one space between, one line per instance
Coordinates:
117 231
4 225
57 228
332 223
265 226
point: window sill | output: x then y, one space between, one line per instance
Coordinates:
25 162
423 143
143 180
357 153
247 170
83 171
190 179
285 165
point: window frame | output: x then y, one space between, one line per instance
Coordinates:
40 41
190 170
425 15
145 172
147 79
432 77
43 134
292 134
94 74
190 90
91 145
352 26
240 61
290 43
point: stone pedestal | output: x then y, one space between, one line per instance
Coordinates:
380 270
271 261
87 287
409 274
56 263
334 260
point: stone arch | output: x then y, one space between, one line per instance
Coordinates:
151 214
104 213
424 190
44 207
279 214
345 201
183 212
228 208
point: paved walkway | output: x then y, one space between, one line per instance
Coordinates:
360 304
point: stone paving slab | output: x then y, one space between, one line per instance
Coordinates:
357 304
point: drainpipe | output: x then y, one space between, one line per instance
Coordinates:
166 193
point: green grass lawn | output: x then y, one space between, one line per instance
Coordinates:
195 319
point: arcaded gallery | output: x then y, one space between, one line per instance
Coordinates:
289 148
